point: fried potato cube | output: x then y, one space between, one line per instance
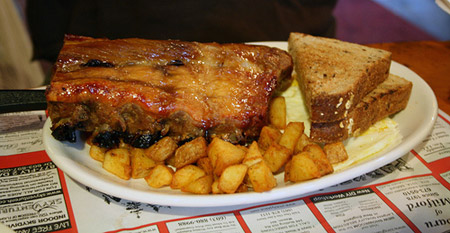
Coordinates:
291 135
159 176
202 185
186 175
335 152
190 152
320 158
247 180
97 153
244 148
171 160
268 136
277 112
242 188
205 164
223 154
232 177
117 162
215 187
276 156
303 141
162 149
140 163
261 177
301 168
253 155
214 148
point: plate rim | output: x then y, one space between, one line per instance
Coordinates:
82 174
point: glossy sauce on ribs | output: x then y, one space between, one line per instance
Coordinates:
148 87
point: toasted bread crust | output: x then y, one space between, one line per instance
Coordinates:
388 98
335 75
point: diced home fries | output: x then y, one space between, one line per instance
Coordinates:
268 136
159 176
277 112
220 167
335 152
118 162
189 153
232 178
141 164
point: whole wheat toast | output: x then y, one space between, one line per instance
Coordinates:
335 75
388 98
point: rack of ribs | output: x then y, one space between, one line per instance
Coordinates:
139 90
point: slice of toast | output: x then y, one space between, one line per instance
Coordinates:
335 75
388 98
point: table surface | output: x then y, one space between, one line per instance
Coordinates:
430 60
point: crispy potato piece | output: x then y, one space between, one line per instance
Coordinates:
246 180
301 168
291 135
320 158
253 155
242 188
213 149
205 164
162 149
223 154
186 175
277 112
170 161
202 185
190 152
232 178
97 153
140 163
215 187
159 176
244 148
117 162
268 136
302 142
261 177
276 156
335 152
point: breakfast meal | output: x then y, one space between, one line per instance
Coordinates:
208 118
347 87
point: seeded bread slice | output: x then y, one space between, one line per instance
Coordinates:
388 98
335 75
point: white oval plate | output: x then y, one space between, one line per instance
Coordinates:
415 122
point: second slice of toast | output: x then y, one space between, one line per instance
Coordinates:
388 98
335 75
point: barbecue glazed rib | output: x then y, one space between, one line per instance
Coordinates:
139 90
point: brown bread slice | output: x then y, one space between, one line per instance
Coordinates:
335 75
388 98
